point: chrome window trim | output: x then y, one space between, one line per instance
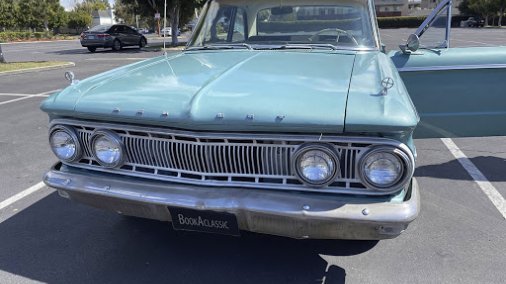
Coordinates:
373 21
426 24
207 179
451 67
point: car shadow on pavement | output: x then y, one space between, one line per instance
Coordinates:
491 167
59 241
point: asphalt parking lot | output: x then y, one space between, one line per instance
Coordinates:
459 237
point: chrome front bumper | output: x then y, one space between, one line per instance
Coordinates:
290 214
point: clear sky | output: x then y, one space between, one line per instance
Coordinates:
68 4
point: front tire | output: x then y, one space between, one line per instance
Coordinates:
116 45
142 43
92 49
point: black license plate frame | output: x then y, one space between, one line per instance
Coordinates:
205 221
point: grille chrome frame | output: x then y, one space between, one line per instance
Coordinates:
262 161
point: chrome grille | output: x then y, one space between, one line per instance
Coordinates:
257 161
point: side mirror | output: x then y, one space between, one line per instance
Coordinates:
413 42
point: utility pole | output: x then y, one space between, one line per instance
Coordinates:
2 58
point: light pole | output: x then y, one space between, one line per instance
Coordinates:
164 25
2 59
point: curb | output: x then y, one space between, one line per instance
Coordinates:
37 69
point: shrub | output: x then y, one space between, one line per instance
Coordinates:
411 22
20 36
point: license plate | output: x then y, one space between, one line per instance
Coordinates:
204 221
91 37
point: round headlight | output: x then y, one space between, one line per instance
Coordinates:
64 143
384 167
316 165
107 148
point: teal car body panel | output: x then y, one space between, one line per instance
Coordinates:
458 92
274 87
369 111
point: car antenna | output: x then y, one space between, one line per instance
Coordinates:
164 28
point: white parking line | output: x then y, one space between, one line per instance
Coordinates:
14 95
485 185
17 100
116 59
25 96
15 198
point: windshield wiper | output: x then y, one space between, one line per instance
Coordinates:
221 46
309 46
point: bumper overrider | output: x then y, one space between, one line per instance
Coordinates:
290 214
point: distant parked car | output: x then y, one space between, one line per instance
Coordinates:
112 36
143 30
472 22
168 31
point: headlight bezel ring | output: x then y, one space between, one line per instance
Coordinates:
406 161
113 137
327 150
73 135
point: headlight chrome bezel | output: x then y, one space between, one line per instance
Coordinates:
404 159
326 149
113 137
72 133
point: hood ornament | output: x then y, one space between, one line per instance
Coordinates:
387 83
69 75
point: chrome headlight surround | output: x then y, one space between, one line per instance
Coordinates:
407 168
72 135
333 163
115 141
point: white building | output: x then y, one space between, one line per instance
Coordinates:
103 17
391 8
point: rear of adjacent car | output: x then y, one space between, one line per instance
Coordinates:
97 38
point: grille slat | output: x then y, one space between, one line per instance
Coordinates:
253 162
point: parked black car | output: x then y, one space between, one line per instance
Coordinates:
472 22
112 36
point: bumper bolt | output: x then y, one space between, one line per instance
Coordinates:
365 212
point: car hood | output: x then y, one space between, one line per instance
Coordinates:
235 90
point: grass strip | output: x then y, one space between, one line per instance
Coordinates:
17 66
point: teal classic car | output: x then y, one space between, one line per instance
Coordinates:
280 117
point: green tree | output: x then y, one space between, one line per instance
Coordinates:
484 8
29 14
56 16
501 5
79 20
7 14
89 6
177 11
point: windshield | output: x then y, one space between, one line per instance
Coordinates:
337 24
